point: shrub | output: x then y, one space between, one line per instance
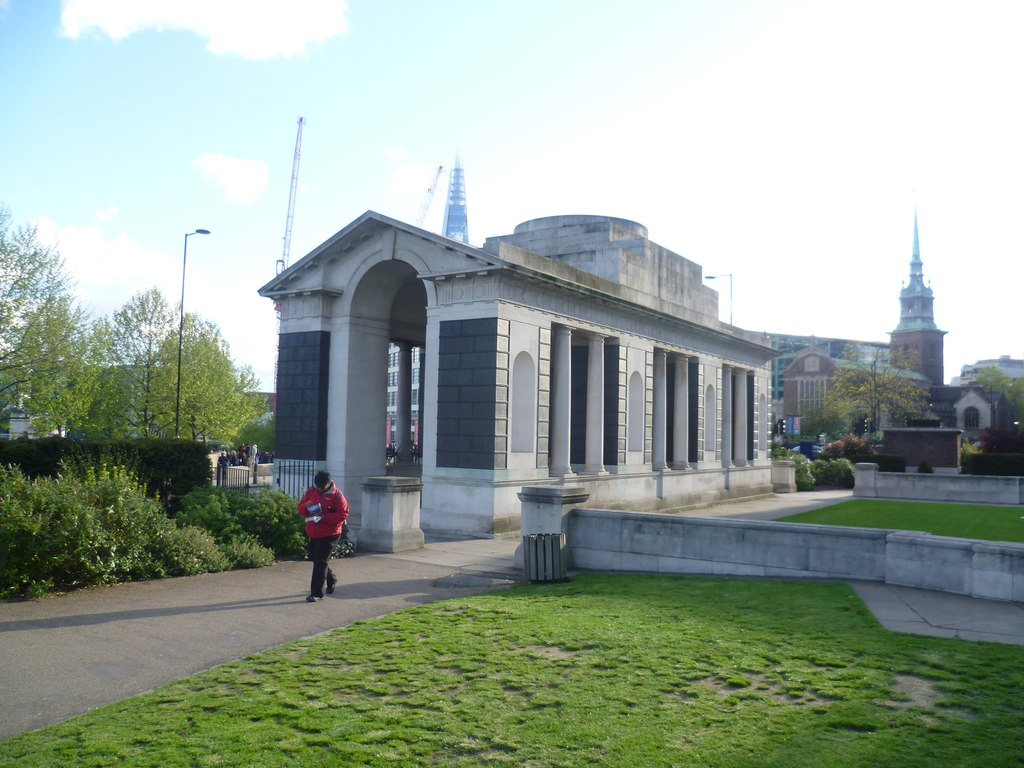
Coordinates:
781 452
227 513
924 468
804 478
92 526
188 551
1002 441
833 473
846 446
245 552
1002 464
887 462
167 467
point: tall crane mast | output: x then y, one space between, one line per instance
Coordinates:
425 205
282 263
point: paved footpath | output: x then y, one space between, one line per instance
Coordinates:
67 654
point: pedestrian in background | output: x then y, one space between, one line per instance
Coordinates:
325 509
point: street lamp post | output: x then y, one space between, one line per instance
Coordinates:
712 277
181 328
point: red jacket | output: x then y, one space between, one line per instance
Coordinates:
333 507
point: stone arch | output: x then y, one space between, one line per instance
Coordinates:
385 302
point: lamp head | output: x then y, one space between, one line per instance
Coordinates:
201 232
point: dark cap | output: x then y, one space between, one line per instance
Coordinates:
323 477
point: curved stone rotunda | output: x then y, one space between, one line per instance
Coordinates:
573 351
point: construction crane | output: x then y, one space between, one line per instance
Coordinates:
282 263
425 205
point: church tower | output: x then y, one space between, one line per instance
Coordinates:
917 332
456 222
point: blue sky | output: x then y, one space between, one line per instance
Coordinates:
784 142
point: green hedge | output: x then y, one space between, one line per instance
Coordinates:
887 462
168 467
1003 464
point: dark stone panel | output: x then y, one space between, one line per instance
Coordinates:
467 393
483 326
670 411
578 405
750 417
456 377
693 380
477 360
303 379
611 404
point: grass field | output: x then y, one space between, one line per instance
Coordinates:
609 670
970 521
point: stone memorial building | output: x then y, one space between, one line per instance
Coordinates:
572 351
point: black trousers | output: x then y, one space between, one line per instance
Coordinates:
320 553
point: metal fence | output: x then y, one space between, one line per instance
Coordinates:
293 476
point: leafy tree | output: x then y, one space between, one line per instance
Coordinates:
216 397
876 389
40 323
138 363
994 379
261 433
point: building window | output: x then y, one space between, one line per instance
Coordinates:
971 418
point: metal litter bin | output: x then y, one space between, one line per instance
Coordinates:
544 557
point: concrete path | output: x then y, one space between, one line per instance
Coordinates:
67 654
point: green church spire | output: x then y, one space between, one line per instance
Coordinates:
916 301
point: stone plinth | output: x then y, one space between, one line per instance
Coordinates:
391 515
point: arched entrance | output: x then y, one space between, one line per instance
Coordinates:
387 309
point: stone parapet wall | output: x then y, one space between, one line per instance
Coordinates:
972 489
650 543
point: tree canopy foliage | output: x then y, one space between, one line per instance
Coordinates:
881 389
115 376
994 379
41 326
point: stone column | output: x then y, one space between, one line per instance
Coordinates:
740 420
659 442
726 433
561 393
595 407
681 416
403 399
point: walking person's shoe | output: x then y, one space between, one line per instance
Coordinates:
330 589
313 598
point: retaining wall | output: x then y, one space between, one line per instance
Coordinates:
974 489
653 543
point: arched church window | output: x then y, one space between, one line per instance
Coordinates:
523 407
971 417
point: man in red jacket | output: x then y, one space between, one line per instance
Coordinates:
325 510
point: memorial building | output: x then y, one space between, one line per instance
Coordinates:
573 351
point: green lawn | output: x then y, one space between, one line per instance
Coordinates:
969 521
610 670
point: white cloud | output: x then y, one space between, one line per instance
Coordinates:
394 155
110 212
106 273
256 31
243 180
5 6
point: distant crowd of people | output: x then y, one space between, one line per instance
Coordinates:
243 456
